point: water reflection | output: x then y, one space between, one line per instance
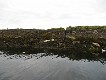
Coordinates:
36 53
43 64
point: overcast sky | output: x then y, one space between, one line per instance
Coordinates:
45 14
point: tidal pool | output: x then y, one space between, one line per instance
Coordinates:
49 66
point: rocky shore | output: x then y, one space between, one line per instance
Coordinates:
80 38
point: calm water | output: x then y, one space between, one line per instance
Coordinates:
42 66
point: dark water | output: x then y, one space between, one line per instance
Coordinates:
51 66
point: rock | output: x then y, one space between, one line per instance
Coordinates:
52 39
103 50
46 40
96 44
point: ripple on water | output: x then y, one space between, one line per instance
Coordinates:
49 67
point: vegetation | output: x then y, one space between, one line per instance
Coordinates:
85 39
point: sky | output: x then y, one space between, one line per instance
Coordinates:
45 14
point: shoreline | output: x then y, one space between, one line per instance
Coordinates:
89 38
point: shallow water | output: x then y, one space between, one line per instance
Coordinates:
49 67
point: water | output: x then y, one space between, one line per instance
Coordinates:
51 66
